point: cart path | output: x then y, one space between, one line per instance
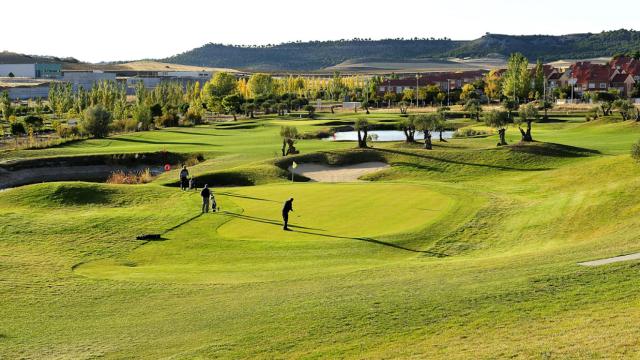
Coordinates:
612 260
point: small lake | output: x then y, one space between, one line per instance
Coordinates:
385 135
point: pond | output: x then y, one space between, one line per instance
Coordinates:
384 135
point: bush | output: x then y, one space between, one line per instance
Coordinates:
169 119
17 128
192 117
469 132
125 125
96 121
635 151
134 177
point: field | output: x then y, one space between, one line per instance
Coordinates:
464 251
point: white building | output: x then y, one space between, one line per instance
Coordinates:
18 70
86 79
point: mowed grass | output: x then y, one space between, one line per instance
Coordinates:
465 251
335 228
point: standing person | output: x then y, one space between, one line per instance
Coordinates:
184 178
288 206
206 194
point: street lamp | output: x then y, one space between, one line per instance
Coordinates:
417 77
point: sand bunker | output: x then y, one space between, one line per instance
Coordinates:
348 173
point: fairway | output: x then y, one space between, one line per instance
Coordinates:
344 227
465 251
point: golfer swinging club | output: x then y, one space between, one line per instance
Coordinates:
288 206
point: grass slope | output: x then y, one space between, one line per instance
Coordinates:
490 274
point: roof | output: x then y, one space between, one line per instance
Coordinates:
585 72
621 78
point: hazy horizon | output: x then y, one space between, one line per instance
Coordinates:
152 30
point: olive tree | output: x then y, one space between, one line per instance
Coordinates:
428 123
474 108
408 126
288 135
499 121
528 114
362 127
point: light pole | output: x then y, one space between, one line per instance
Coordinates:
448 92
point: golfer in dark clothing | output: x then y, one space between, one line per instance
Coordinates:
184 178
288 206
206 194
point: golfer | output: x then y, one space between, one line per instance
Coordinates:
184 178
288 206
206 195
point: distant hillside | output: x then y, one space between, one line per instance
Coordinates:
549 47
316 55
310 55
7 57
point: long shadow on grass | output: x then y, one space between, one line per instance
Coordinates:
245 197
374 241
193 133
365 239
435 158
163 142
266 221
182 223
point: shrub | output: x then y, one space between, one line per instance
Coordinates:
168 119
127 125
17 128
96 121
134 177
192 117
635 151
142 115
469 132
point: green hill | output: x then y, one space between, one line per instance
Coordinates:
315 55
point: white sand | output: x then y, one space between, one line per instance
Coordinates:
348 173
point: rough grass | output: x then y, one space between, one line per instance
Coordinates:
474 255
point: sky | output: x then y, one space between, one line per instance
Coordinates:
137 29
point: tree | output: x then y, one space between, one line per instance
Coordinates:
403 107
365 106
33 122
427 123
231 104
468 92
17 128
310 109
96 121
510 106
408 126
492 85
528 114
288 135
389 97
516 80
249 109
498 120
261 85
5 105
538 81
474 108
220 85
11 75
606 100
362 127
143 117
442 118
626 108
545 105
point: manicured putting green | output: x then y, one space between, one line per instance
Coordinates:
337 228
332 210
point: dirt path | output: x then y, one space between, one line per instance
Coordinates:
612 260
348 173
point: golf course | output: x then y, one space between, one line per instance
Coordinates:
468 250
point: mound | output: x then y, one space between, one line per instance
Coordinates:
75 194
551 149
